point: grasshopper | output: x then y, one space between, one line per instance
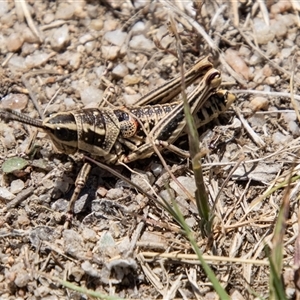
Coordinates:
123 135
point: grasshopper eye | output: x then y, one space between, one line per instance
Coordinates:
65 134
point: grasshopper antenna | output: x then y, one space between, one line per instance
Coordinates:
11 115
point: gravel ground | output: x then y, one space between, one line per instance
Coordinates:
56 56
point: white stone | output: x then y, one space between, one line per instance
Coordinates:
16 186
140 42
5 194
187 182
60 38
91 95
116 37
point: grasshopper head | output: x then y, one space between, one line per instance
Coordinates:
62 130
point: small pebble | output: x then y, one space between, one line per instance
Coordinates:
138 28
85 38
23 219
90 95
255 59
90 46
279 28
237 63
89 235
28 48
257 120
60 38
288 19
286 52
114 194
287 43
156 169
36 59
17 186
167 195
245 51
236 295
131 79
140 42
14 101
191 222
48 18
143 179
69 103
3 8
14 42
259 103
61 205
89 269
267 71
75 60
130 100
279 138
110 52
289 117
187 182
5 194
73 243
22 278
29 36
271 80
48 183
272 48
262 31
96 24
120 71
101 191
65 11
116 37
294 128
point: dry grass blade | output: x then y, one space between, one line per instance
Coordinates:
250 131
29 19
264 12
295 106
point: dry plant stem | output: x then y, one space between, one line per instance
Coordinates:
9 56
29 19
292 91
250 131
234 6
272 94
23 195
193 259
264 12
51 100
226 181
